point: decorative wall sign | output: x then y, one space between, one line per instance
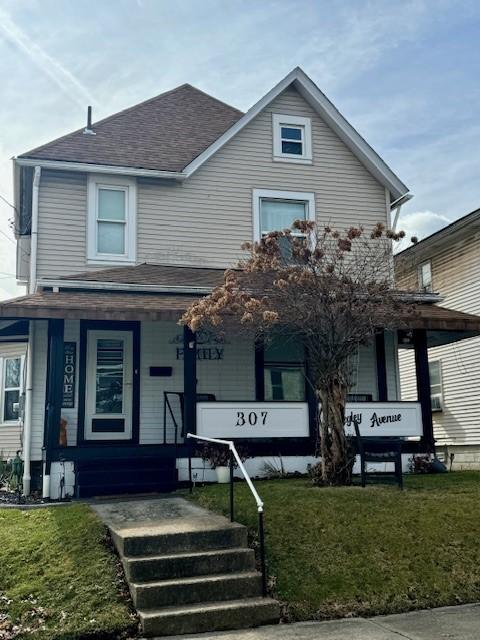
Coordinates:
69 372
252 419
209 345
397 419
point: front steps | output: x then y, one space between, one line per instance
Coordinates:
190 571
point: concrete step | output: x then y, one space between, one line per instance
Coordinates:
183 565
144 541
183 591
213 616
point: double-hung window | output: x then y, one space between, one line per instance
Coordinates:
11 388
278 210
292 138
111 219
436 392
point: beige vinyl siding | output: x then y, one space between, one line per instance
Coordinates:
10 433
456 277
204 220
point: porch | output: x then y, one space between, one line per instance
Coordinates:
129 382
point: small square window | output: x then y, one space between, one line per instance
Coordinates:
292 138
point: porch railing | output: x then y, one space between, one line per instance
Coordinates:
235 457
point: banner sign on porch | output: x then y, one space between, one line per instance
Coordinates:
398 419
209 345
252 419
69 369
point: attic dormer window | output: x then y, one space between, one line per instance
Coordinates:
292 139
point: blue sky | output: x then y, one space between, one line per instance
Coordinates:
404 73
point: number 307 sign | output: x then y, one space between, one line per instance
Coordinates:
252 419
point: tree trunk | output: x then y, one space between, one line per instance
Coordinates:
336 455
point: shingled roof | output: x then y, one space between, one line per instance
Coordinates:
164 133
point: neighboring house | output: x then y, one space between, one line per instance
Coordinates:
448 263
123 224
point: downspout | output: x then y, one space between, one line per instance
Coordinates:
397 215
32 282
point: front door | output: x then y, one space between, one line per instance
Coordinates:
109 389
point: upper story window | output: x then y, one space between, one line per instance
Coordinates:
10 387
425 277
292 139
111 219
278 210
436 391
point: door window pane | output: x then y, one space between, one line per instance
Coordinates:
111 204
111 238
276 215
109 376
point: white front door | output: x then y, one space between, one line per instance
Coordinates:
108 397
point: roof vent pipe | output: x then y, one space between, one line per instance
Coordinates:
88 129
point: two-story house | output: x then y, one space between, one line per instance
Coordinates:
120 226
448 263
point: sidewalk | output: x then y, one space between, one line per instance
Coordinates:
450 623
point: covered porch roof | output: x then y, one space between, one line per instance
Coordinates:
443 325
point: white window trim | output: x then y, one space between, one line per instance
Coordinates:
306 124
437 409
96 181
268 194
10 356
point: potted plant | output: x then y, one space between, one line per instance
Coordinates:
218 457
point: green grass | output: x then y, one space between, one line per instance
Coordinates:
350 551
58 576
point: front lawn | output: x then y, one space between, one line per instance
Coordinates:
58 578
350 551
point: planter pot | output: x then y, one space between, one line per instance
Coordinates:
223 475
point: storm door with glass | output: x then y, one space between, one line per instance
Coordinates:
109 373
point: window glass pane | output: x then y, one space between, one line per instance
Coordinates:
12 398
109 376
434 368
292 147
283 349
291 134
283 383
111 204
111 238
12 372
277 215
426 276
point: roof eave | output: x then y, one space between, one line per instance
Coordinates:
86 167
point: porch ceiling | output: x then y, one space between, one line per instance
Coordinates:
120 305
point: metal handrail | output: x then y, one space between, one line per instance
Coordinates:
260 505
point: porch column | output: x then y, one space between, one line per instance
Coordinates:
53 396
423 385
190 380
381 361
259 373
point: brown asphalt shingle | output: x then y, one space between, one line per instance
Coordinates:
154 274
164 133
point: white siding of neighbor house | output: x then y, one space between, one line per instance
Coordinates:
456 276
204 220
10 433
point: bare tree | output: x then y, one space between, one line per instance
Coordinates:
331 291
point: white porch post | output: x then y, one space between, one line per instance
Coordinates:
27 420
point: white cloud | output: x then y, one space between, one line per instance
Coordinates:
420 224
